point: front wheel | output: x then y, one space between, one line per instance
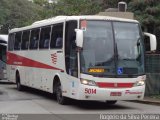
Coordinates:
60 98
111 102
19 86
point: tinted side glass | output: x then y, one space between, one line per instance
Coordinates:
11 41
147 43
57 36
17 43
45 37
34 40
71 59
25 40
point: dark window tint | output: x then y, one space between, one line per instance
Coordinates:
57 36
2 54
34 39
17 43
45 37
11 41
25 40
70 48
147 43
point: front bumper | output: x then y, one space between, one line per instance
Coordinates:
95 93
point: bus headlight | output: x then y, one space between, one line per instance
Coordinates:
139 83
88 82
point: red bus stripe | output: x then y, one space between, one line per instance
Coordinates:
13 59
114 85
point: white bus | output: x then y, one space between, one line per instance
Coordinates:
3 47
80 57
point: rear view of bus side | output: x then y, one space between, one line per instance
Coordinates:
79 57
3 48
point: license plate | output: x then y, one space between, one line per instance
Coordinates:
115 94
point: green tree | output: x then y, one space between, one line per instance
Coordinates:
112 3
147 12
75 7
41 2
18 13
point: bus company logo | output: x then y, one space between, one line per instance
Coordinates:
54 58
131 92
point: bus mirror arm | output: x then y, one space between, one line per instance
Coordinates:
79 38
153 41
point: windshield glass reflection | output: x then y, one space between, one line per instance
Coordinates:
108 50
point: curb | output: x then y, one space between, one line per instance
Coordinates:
2 82
147 102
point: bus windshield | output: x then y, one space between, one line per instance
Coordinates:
112 48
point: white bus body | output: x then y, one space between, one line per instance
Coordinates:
97 71
3 46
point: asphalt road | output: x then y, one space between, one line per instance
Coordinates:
38 104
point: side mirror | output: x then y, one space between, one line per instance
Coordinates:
152 42
79 38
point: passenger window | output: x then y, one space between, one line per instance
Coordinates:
17 43
25 40
11 41
34 40
45 37
57 36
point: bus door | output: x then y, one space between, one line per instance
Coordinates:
71 57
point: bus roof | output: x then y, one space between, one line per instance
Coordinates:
59 19
3 39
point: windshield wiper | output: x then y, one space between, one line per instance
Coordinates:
116 52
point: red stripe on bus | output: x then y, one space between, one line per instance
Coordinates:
114 85
13 59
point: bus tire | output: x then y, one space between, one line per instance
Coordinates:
60 98
111 102
18 82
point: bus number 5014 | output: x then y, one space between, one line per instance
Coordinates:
90 91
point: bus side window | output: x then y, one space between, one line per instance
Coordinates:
34 39
11 41
25 40
45 37
57 36
17 43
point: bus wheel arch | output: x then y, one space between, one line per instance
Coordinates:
55 81
58 92
18 81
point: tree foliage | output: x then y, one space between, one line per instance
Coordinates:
41 2
75 7
113 3
17 13
147 12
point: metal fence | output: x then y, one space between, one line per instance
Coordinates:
153 74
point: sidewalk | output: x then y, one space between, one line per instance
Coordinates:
150 100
